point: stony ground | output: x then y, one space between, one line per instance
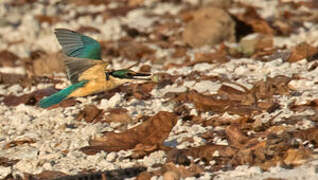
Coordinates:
234 91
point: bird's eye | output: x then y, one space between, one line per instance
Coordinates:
107 75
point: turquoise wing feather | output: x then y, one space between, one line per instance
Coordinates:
61 95
78 45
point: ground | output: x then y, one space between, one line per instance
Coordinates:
233 94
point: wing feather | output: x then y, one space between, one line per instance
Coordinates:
78 45
76 66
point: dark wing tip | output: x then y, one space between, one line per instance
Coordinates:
63 30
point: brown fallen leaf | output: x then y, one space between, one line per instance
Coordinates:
219 56
277 85
142 150
86 29
142 91
301 51
310 134
203 102
8 59
252 18
28 99
234 94
134 50
182 171
49 175
235 136
151 132
211 151
296 156
178 156
18 143
88 2
47 19
118 115
90 114
8 162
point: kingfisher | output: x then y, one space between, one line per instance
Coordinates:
86 70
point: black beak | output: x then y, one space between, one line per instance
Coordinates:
140 76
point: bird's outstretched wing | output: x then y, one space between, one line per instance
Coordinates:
76 66
78 45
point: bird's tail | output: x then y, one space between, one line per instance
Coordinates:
61 95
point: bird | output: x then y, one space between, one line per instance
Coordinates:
86 70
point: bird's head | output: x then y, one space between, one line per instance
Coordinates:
126 75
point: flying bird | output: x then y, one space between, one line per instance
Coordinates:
85 69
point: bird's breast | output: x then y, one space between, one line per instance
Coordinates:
96 82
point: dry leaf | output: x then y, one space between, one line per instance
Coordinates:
252 18
86 29
118 115
134 50
90 113
209 152
302 51
142 150
296 156
47 19
8 162
18 143
49 175
28 99
182 171
8 59
235 136
151 132
310 134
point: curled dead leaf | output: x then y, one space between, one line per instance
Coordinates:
235 136
18 143
8 162
90 113
297 156
170 170
211 151
151 132
302 51
252 18
8 59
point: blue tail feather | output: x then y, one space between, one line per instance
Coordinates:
61 95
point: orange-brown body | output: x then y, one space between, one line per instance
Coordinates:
97 81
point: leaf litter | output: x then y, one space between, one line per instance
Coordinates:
238 109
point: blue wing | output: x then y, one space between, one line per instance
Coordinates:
61 95
75 44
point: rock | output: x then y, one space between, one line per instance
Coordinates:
254 42
209 26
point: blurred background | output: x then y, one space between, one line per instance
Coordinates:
157 31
